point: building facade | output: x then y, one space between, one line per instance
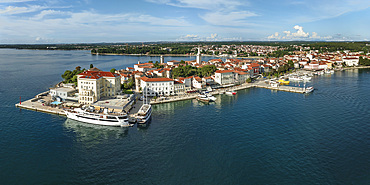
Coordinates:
93 85
224 77
157 86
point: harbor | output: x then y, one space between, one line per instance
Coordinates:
37 103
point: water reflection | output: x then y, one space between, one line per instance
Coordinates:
94 134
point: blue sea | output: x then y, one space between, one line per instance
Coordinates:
258 136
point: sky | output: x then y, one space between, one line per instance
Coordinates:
95 21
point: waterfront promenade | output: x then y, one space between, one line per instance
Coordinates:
34 105
258 84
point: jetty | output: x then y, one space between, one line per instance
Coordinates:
40 107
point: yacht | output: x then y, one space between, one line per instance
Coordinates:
295 78
203 98
101 117
309 89
207 95
144 114
230 92
306 78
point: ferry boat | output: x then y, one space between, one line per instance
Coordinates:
144 114
102 117
309 90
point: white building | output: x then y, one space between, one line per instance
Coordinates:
157 86
224 77
93 85
198 83
179 87
63 93
351 61
144 67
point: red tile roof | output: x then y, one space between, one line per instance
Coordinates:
97 74
224 71
146 79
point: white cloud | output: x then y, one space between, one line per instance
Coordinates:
300 32
11 10
274 36
45 13
202 4
15 1
319 10
212 37
228 19
65 26
298 35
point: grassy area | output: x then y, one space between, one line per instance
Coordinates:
128 91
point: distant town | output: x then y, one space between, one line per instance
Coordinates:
160 81
173 77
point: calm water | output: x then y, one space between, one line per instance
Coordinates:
257 137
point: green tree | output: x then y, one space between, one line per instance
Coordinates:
113 70
91 66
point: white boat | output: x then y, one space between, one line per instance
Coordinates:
295 78
274 83
144 114
211 97
207 96
306 78
203 98
309 89
103 117
230 92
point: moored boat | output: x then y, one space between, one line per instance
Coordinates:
203 99
295 78
207 95
283 82
101 117
309 89
144 114
230 92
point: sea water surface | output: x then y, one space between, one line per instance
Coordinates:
258 136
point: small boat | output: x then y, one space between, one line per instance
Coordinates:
207 95
101 117
274 83
230 92
203 99
306 78
309 90
283 82
211 97
295 78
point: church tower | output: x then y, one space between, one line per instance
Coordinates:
199 57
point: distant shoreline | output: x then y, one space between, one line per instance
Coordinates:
172 55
